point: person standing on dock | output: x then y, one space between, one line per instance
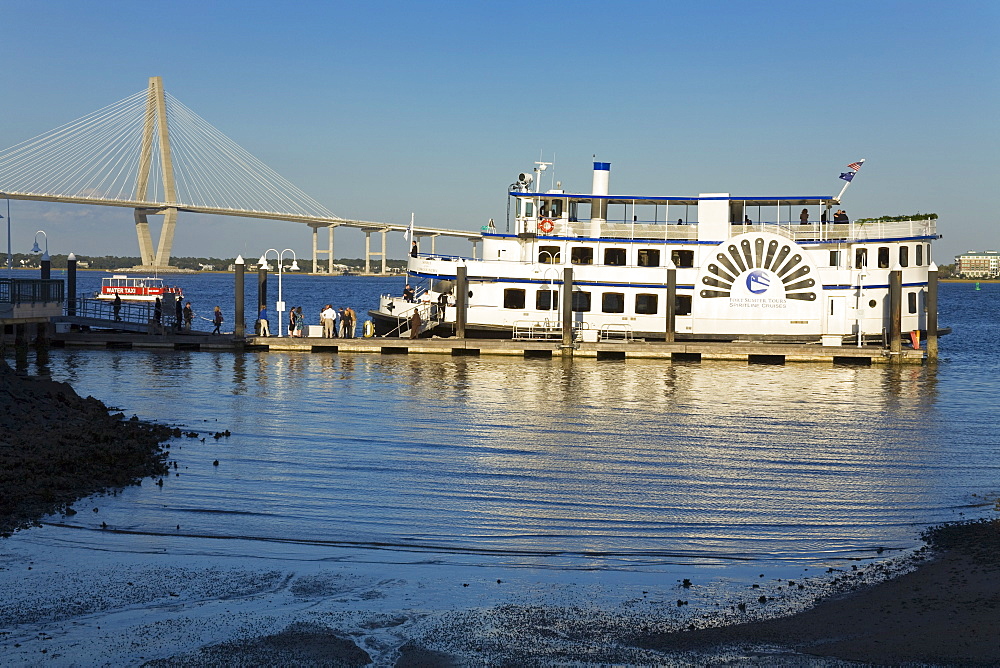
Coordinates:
265 328
158 313
804 217
349 322
415 324
291 321
299 322
328 318
118 307
217 320
178 315
188 316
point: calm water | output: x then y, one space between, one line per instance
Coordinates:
554 464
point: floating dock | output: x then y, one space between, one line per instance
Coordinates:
686 351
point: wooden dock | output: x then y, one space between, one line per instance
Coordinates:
685 351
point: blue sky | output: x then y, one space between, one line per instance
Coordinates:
380 109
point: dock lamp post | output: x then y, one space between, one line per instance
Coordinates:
280 306
46 261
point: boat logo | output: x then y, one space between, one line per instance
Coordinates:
768 264
758 281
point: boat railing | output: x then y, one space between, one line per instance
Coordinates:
629 230
811 231
816 231
431 314
535 330
528 330
616 332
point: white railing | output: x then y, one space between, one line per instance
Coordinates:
814 231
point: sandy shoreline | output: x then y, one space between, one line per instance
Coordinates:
944 611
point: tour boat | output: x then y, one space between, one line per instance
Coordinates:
770 268
136 289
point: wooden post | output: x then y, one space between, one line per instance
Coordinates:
932 313
461 300
240 323
71 284
671 305
567 308
895 313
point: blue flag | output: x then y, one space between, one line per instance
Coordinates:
847 176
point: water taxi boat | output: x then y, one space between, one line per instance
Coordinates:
786 269
136 289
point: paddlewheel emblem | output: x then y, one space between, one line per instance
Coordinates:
765 265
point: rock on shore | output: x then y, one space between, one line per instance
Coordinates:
57 447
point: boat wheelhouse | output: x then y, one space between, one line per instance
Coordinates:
137 289
773 268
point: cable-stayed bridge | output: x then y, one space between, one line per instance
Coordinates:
150 153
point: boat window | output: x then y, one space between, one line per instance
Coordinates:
614 257
645 304
581 300
911 301
919 259
682 258
517 208
582 255
649 257
682 305
547 300
613 302
928 255
904 256
556 208
549 255
835 258
883 257
860 258
513 298
529 208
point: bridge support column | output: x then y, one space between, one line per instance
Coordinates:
145 239
166 238
383 252
329 263
368 251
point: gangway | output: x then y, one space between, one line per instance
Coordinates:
130 317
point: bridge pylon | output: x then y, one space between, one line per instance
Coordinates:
155 124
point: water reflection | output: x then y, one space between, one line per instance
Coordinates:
637 461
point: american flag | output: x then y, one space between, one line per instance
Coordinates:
855 165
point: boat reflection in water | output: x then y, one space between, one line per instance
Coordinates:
561 463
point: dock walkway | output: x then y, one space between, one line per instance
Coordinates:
687 351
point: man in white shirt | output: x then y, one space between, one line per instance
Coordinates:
326 316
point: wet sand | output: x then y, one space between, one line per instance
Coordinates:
946 611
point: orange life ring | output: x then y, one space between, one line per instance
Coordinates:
545 226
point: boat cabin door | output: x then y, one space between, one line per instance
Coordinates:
836 315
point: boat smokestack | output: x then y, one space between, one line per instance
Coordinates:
599 208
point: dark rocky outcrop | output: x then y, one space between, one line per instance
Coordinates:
57 447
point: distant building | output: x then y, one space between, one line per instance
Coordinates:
978 264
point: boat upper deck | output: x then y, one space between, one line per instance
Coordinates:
708 218
801 233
